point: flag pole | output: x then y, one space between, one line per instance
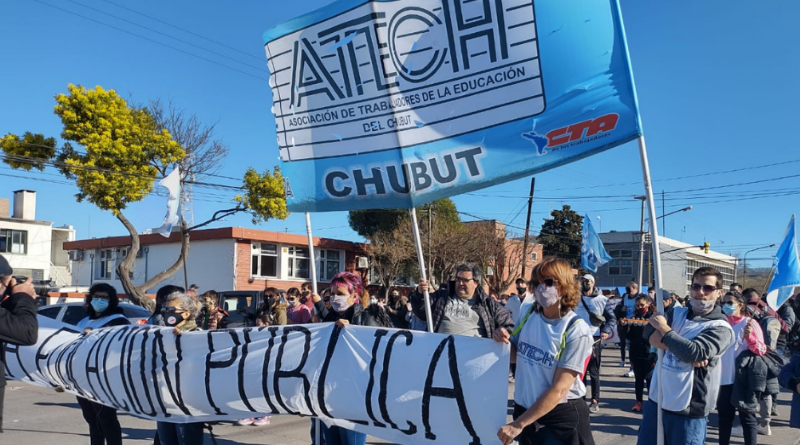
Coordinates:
656 255
422 272
313 269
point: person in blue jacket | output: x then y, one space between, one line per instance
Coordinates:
789 378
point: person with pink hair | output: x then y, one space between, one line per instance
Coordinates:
349 306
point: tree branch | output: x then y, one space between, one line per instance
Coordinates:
178 263
216 217
135 294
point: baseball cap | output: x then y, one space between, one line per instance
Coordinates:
588 277
5 268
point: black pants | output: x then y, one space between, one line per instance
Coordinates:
104 426
567 423
727 411
2 396
513 368
642 371
593 369
622 333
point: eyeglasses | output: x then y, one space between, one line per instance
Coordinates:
100 297
177 310
729 303
290 299
550 282
463 280
707 288
326 299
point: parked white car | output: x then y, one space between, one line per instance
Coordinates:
73 313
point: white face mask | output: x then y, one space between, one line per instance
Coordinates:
293 303
546 296
339 303
702 307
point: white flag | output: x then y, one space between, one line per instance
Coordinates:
172 183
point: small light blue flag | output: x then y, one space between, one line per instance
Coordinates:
593 254
787 269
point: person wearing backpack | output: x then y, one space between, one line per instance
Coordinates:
594 310
551 345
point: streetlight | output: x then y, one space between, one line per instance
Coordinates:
744 280
663 224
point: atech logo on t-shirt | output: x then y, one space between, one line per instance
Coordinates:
535 355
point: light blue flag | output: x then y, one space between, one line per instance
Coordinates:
787 269
593 254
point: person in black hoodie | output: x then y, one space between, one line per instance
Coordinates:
640 348
349 306
18 323
102 311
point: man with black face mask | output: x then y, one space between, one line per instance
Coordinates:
594 310
625 310
515 300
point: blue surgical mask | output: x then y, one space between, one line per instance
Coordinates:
99 305
729 309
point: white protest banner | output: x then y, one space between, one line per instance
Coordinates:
408 387
398 103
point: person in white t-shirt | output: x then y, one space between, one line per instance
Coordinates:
551 346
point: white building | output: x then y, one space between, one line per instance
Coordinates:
33 248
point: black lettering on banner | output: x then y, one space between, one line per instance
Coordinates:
330 185
125 363
295 373
419 171
376 180
143 373
456 392
154 365
216 364
93 365
378 334
273 331
70 368
387 357
40 356
469 157
394 180
123 404
451 170
176 395
59 361
323 374
240 373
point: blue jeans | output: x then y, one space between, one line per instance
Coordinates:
180 433
678 430
340 436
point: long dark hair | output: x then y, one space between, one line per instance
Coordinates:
113 299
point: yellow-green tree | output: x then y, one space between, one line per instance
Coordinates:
125 149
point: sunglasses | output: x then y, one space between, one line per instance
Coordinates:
549 282
326 299
100 297
705 287
290 299
729 303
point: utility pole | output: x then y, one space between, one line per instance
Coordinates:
527 229
641 244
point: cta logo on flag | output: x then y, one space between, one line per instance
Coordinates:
593 254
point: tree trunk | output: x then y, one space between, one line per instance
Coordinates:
136 294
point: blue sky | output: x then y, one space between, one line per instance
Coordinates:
717 82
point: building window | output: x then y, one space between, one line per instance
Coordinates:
329 264
298 262
264 260
620 253
13 241
620 267
121 255
534 256
105 264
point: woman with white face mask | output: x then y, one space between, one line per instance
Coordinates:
349 306
102 310
746 335
551 346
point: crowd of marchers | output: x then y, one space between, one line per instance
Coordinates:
723 351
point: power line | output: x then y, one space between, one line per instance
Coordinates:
152 40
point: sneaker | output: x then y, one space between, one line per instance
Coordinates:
765 430
511 379
261 421
246 422
629 374
594 407
774 411
622 364
637 407
737 431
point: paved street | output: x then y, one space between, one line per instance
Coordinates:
39 416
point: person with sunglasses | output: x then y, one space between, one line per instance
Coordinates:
297 312
747 336
551 346
467 310
102 311
693 339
